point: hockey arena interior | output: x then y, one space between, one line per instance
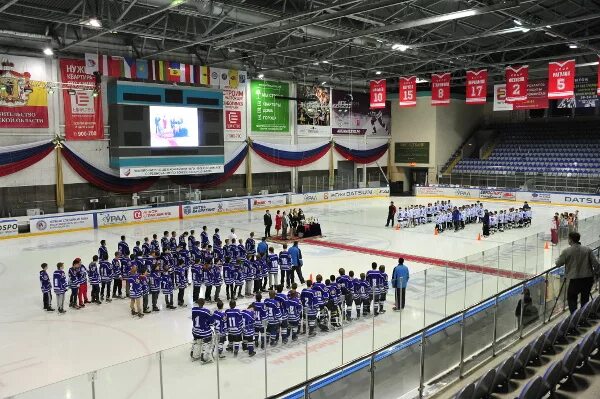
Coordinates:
294 199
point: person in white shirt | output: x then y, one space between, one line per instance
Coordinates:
232 235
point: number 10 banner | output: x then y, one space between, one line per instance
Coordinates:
440 88
378 94
407 96
477 86
561 79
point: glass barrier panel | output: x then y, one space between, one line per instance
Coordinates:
506 322
532 312
492 273
397 371
442 354
387 324
357 335
350 383
456 282
474 279
556 293
519 250
138 378
75 388
286 365
479 334
325 350
414 308
505 266
435 298
181 374
543 255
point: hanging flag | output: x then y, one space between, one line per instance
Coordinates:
477 86
242 78
440 89
219 77
174 72
91 63
516 83
115 66
561 79
141 69
407 96
204 75
129 68
159 70
188 73
378 94
233 79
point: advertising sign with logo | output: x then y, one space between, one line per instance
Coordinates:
313 111
593 200
540 197
234 104
148 171
137 215
207 208
466 192
9 228
270 106
430 191
24 99
267 202
61 222
351 115
339 194
495 194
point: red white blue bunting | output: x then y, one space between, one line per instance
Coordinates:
362 156
103 178
214 179
18 157
290 155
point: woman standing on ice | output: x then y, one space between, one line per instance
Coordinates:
277 223
554 229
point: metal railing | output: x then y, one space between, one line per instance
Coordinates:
457 315
526 181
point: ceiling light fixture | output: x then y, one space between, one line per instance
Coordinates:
325 62
323 83
378 73
48 51
95 22
261 75
517 22
400 47
572 46
525 30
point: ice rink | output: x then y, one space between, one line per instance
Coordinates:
40 348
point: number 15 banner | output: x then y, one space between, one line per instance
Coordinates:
440 88
516 83
378 94
477 86
407 96
561 79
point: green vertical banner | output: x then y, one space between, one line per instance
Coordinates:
269 113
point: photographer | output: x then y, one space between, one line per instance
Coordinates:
580 268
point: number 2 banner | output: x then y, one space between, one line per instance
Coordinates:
440 89
477 86
378 94
407 96
516 83
561 79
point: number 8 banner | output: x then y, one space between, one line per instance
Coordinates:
407 96
440 89
561 79
477 86
378 94
516 83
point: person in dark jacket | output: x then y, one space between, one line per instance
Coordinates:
391 214
530 311
268 223
456 218
486 224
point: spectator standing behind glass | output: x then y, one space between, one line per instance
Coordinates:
554 229
400 277
580 268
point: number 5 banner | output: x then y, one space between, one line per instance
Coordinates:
477 86
516 83
407 97
378 94
561 79
440 89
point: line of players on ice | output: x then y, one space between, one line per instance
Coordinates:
447 216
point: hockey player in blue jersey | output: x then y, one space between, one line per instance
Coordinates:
374 279
146 247
94 276
229 278
60 286
220 325
46 286
102 251
180 283
145 280
217 239
285 264
364 292
346 286
202 322
117 274
74 282
248 330
239 278
273 263
208 273
281 298
251 245
155 280
123 247
136 292
197 279
137 250
260 318
257 268
166 285
191 240
385 285
154 244
182 241
294 311
241 250
235 324
356 293
335 302
164 241
105 278
264 271
310 306
248 276
217 280
273 318
204 236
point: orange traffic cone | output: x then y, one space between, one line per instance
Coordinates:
397 227
436 232
478 236
546 246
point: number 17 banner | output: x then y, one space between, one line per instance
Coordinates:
378 94
477 86
561 79
407 96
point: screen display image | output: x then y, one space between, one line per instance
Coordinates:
173 127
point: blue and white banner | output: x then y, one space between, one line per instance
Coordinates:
9 227
77 221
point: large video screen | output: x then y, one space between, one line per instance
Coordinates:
173 127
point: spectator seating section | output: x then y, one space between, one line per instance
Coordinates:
548 376
551 149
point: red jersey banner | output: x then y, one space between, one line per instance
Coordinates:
83 111
378 95
407 96
598 91
516 83
477 86
561 79
537 96
440 88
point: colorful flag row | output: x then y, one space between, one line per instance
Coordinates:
163 71
561 84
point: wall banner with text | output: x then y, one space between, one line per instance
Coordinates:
270 114
313 117
351 115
